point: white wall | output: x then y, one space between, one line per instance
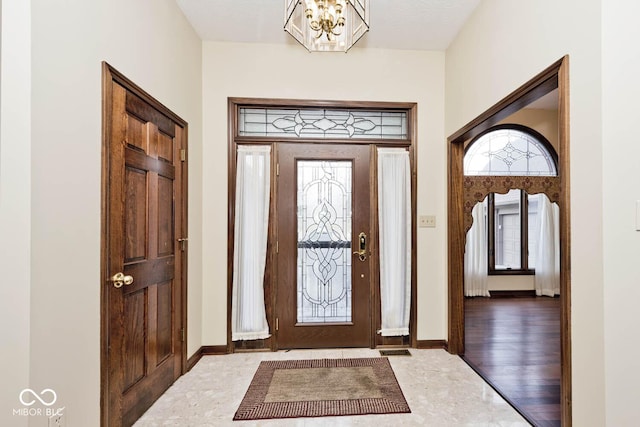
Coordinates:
15 205
151 42
621 154
511 283
504 44
289 71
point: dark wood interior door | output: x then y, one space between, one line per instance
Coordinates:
323 292
145 263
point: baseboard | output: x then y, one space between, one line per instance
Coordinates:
429 344
191 362
205 350
513 294
216 350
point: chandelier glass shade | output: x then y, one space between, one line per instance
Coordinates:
327 25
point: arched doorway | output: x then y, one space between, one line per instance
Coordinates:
460 204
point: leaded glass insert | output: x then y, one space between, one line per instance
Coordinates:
324 194
322 123
509 152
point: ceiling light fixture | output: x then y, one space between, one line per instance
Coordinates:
326 25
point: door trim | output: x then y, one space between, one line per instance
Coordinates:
110 75
556 76
234 105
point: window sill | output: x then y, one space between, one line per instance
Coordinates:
514 272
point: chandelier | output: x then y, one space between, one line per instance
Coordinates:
327 25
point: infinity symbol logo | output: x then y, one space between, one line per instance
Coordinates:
44 402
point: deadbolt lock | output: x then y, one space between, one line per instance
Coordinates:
362 247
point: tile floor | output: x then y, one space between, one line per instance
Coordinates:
441 390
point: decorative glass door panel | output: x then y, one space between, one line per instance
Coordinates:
324 241
323 291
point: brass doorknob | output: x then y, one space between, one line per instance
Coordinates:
120 279
362 247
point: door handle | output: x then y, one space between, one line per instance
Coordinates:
120 279
362 247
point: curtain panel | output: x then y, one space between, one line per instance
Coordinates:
476 269
394 210
248 315
547 278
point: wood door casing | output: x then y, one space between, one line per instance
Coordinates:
237 138
554 77
143 323
290 333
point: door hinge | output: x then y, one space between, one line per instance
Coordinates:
277 246
277 324
277 169
183 154
182 334
183 243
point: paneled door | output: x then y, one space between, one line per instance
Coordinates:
144 258
323 292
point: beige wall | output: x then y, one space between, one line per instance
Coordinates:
621 164
15 206
151 42
503 45
543 121
288 71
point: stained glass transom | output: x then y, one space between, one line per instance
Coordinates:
322 123
509 152
324 241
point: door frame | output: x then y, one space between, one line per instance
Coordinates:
234 139
110 75
556 76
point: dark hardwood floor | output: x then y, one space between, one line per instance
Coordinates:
514 344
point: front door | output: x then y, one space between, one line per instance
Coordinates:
323 291
144 263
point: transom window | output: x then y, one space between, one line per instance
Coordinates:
322 123
510 150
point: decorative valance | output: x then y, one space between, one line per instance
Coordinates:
476 188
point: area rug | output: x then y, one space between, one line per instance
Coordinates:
322 388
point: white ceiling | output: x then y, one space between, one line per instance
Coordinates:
395 24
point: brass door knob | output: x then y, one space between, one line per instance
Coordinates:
120 279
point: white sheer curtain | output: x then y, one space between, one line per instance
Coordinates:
248 316
547 278
394 210
476 278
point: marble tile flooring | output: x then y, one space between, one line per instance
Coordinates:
441 390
